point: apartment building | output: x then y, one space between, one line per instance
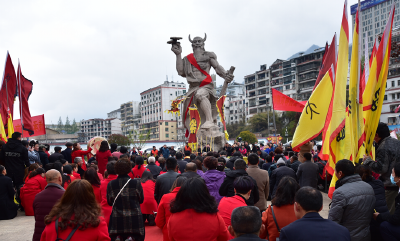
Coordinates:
130 117
99 127
114 114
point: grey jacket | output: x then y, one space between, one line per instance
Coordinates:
307 174
386 155
352 206
164 183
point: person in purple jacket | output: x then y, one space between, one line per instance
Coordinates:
213 177
45 200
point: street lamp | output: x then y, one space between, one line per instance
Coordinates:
287 135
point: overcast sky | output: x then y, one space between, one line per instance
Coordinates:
85 58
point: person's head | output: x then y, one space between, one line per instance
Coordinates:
91 176
245 220
319 148
78 161
191 167
161 160
172 147
178 182
104 146
381 132
238 154
154 148
124 150
67 169
285 192
123 167
35 146
171 163
253 159
365 172
3 170
280 162
268 158
278 150
16 136
239 164
178 155
187 153
57 149
146 176
210 163
139 161
307 156
53 176
25 143
39 171
194 194
243 186
78 201
76 146
192 157
111 168
307 200
151 159
395 177
293 159
344 168
199 164
42 148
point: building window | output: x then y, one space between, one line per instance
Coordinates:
393 96
166 123
166 129
398 95
385 97
392 83
166 135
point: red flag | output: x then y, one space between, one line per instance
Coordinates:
24 91
285 103
329 59
8 89
38 126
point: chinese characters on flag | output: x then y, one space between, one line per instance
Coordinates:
38 126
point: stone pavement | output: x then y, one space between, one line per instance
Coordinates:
21 228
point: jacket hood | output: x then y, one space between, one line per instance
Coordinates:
213 175
236 173
348 179
12 143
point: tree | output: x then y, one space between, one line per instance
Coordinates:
120 140
235 128
248 136
74 126
139 139
67 126
60 125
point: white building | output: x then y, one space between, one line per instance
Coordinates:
114 114
130 117
100 127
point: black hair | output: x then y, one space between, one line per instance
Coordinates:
178 155
346 167
285 192
125 156
91 176
295 158
33 143
383 130
192 157
122 167
16 135
36 172
319 147
123 149
240 164
285 153
59 167
63 161
57 148
237 153
113 147
397 169
104 146
365 172
310 199
291 154
48 166
243 184
25 143
253 159
194 194
200 158
223 153
187 153
171 163
268 158
147 176
110 167
307 156
139 161
67 169
221 159
246 220
2 169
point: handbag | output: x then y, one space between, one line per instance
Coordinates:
120 192
70 234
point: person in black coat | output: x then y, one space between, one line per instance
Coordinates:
181 163
44 159
56 156
15 158
231 162
8 209
190 170
67 152
154 169
281 171
227 189
228 149
310 225
164 182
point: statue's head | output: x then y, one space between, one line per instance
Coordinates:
198 42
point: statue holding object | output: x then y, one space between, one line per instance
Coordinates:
196 68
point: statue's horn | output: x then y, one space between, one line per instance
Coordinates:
190 39
205 37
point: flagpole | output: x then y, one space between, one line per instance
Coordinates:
20 98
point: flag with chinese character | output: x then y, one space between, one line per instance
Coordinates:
38 126
195 123
315 112
24 91
175 107
221 111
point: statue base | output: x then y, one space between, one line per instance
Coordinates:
212 136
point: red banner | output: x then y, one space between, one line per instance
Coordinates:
285 103
329 59
38 126
24 91
8 89
195 122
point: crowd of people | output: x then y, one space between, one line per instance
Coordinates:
200 194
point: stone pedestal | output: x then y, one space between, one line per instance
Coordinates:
218 138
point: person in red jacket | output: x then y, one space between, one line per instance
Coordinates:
30 169
78 209
77 152
242 186
105 208
75 169
149 205
33 186
138 169
102 156
194 202
45 200
92 177
163 212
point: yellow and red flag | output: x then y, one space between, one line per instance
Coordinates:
375 89
175 107
195 122
315 112
3 135
10 125
221 111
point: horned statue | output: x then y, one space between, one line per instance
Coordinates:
196 68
